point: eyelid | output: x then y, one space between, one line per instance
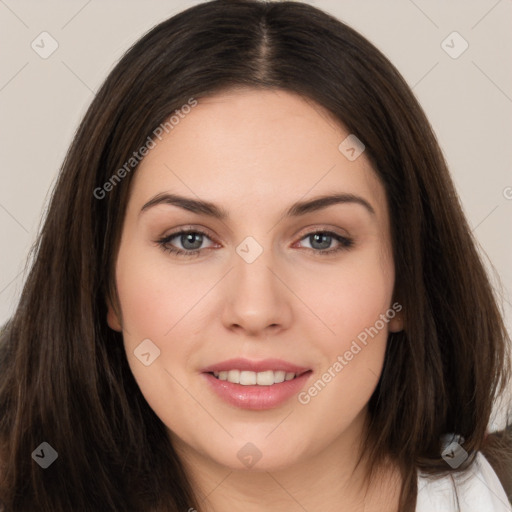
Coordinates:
308 230
324 228
189 228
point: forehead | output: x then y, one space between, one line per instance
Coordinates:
253 145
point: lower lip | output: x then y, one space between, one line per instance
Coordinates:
257 398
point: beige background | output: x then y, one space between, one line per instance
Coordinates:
468 101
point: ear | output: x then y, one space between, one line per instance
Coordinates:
113 318
396 324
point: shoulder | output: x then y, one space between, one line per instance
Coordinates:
476 490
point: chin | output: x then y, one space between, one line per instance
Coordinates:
254 456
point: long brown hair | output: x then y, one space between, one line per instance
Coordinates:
64 376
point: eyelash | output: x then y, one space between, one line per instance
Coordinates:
345 243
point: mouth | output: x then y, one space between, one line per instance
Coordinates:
256 385
246 394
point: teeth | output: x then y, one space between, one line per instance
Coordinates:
279 376
246 378
233 376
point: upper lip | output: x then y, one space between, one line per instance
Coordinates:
255 366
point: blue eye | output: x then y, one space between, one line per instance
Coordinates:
320 242
192 240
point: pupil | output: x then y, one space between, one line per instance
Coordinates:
189 238
318 237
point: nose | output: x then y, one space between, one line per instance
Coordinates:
257 300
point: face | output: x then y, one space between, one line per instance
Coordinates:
267 282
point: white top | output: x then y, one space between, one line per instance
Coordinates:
478 490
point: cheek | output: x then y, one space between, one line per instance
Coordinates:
355 302
158 303
349 297
154 295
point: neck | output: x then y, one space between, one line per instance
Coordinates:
328 480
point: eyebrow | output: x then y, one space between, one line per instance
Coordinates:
295 210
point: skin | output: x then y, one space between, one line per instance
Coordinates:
254 153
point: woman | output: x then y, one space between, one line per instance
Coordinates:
329 340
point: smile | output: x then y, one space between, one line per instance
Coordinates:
248 378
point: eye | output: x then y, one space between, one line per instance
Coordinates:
321 242
190 240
